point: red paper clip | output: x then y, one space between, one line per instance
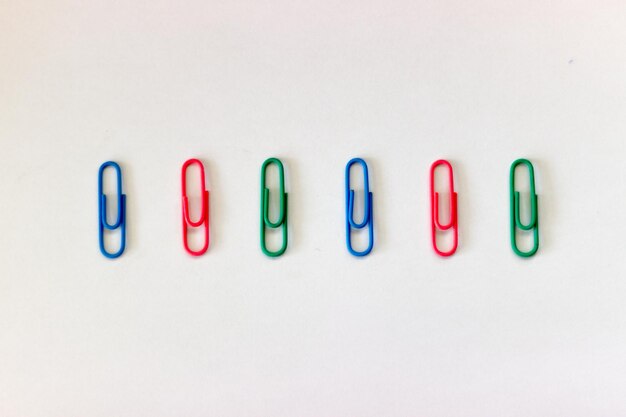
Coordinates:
204 217
434 209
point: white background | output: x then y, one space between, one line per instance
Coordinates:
316 332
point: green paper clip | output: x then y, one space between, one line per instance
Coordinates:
282 215
516 222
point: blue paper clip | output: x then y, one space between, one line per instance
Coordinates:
102 211
368 216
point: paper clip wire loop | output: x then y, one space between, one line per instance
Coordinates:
436 224
282 213
516 221
204 215
120 221
368 215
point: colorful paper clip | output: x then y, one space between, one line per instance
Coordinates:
282 214
436 224
368 215
102 211
516 221
204 215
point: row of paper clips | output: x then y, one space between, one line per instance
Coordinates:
367 222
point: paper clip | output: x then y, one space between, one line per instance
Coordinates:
282 214
368 215
516 222
204 215
102 211
436 224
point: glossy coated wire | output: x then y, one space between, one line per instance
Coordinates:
516 221
368 215
281 221
120 221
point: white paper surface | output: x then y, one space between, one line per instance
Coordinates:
317 332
